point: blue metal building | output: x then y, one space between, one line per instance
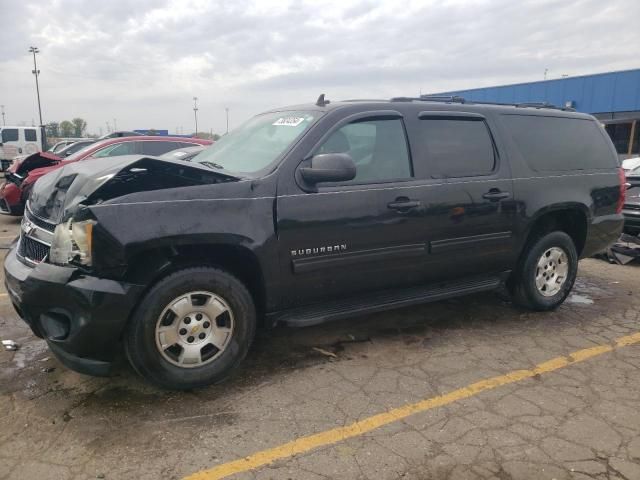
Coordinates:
612 97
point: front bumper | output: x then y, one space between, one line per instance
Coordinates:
81 317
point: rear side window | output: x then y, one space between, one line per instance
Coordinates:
378 148
30 135
9 135
457 147
158 148
560 144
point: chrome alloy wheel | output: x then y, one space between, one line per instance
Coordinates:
552 271
194 329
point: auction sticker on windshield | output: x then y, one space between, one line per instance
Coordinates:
289 121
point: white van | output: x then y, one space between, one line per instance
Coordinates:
16 141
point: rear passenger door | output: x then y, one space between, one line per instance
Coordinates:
472 224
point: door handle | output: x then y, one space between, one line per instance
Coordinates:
495 194
403 204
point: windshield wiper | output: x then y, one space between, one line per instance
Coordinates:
212 165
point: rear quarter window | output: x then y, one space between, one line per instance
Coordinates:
560 144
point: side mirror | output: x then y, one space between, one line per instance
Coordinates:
329 167
68 153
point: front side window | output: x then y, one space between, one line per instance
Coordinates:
378 148
257 143
9 135
457 147
30 135
126 148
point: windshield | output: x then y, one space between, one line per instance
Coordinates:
257 143
80 152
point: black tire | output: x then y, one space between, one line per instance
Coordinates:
140 336
523 283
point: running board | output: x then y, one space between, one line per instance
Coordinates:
385 300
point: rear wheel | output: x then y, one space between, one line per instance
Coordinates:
191 329
546 273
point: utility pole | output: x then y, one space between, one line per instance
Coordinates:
2 108
227 111
546 70
195 112
36 72
108 129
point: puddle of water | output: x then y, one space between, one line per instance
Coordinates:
580 299
28 353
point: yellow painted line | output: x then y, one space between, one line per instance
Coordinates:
335 435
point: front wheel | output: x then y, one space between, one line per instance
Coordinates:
191 329
546 273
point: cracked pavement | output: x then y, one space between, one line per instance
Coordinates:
579 422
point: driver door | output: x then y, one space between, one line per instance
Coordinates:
340 239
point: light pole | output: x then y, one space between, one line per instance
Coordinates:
3 122
36 72
195 112
227 110
115 125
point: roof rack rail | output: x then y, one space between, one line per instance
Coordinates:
459 99
431 98
543 105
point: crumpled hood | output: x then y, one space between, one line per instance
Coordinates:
58 194
24 165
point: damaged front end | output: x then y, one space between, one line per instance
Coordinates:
58 195
19 170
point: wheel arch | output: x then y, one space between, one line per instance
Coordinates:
571 218
149 266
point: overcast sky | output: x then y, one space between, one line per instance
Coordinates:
142 62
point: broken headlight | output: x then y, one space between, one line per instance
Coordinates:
72 243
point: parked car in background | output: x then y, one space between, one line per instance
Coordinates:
631 209
184 154
304 215
20 177
120 133
75 147
631 163
16 141
64 143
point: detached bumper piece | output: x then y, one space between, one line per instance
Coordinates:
81 317
625 250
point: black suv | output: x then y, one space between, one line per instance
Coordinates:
308 214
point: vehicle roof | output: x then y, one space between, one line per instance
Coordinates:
445 104
90 149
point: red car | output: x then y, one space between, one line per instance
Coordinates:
20 177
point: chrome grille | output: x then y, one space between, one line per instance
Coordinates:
36 235
32 250
50 227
